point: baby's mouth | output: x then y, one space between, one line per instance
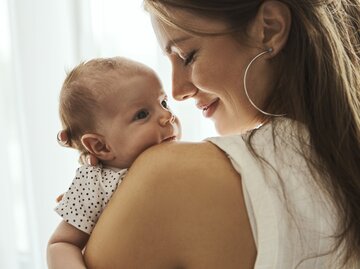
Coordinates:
170 138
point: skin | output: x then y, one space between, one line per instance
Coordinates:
188 219
189 210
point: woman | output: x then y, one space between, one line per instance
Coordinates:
281 188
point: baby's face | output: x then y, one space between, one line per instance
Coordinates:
140 118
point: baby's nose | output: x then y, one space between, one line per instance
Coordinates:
167 117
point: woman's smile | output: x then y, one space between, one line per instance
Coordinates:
209 108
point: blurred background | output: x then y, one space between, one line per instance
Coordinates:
39 41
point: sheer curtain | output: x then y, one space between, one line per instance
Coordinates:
40 40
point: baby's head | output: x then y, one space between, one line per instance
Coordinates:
115 108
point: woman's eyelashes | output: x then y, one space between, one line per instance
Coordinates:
189 58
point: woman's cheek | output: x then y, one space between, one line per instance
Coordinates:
203 77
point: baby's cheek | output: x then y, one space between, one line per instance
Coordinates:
178 126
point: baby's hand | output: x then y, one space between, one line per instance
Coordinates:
62 138
59 198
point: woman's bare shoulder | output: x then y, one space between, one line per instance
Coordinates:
179 202
181 157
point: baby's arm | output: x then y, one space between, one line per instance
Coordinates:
65 247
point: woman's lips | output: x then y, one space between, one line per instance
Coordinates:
209 109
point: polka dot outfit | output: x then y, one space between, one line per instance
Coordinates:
88 195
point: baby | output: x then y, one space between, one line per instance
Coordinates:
113 109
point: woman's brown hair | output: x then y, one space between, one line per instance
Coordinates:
318 85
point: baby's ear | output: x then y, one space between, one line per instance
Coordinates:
96 145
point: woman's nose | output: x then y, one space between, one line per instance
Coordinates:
182 86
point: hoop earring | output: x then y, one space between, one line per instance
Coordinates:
245 87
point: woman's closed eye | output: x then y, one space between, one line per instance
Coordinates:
141 114
189 58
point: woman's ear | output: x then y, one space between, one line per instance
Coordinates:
272 25
96 145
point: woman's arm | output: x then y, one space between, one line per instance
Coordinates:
180 206
65 247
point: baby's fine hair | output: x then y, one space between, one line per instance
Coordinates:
82 94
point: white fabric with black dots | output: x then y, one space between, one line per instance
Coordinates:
88 195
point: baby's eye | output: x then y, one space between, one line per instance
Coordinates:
164 104
142 114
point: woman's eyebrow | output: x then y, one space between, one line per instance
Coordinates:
174 42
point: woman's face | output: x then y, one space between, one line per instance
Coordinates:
210 69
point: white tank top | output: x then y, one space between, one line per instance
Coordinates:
291 219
